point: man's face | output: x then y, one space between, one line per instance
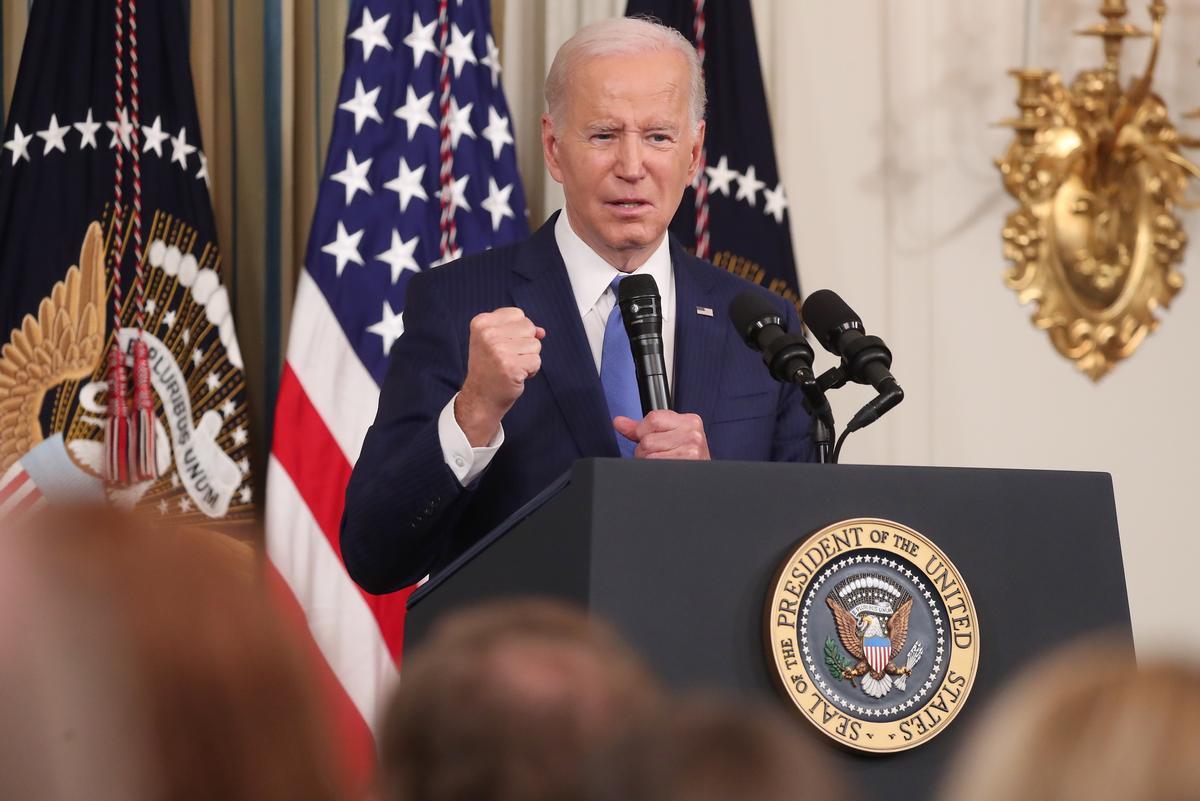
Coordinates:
624 151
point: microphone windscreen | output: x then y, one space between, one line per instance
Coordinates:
827 315
747 309
638 285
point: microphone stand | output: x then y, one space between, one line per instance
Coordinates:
789 359
823 439
817 405
888 396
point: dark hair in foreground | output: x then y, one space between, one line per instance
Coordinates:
507 702
712 749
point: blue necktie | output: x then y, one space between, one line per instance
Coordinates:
616 373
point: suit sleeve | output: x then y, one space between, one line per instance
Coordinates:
793 426
402 499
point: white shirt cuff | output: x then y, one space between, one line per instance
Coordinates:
464 461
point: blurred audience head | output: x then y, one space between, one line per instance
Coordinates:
1087 724
507 702
711 749
146 662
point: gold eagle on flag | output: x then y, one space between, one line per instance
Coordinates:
65 341
52 385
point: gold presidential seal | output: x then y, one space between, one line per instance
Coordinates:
872 634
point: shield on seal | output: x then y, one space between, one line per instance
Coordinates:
878 651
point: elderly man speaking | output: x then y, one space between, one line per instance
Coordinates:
514 362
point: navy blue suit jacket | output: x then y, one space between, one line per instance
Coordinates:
406 515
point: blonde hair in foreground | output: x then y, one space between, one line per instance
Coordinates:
1088 724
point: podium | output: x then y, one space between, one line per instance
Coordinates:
681 557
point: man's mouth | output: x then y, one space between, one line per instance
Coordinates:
628 203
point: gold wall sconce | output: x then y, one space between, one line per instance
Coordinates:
1098 172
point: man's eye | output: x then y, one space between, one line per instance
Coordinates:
602 137
660 138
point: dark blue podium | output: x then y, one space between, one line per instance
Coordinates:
680 556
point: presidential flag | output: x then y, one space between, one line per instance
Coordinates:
103 118
420 169
736 213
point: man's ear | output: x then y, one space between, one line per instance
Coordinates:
550 148
697 149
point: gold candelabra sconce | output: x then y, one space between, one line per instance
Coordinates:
1098 172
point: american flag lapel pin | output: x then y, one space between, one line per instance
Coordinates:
704 311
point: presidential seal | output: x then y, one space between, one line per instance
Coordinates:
872 634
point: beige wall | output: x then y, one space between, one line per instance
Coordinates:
885 120
883 117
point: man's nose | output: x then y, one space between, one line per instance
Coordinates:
630 165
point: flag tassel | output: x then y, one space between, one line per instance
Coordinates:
116 430
145 466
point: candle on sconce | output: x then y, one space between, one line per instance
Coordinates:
1032 16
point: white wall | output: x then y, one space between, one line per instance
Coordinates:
883 116
883 113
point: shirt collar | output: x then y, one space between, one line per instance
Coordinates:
590 275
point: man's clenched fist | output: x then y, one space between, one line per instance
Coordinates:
665 434
504 352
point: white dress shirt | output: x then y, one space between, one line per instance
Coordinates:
591 277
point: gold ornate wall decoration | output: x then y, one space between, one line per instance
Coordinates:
1099 175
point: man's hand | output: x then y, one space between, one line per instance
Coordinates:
664 434
504 352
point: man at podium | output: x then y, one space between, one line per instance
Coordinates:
514 362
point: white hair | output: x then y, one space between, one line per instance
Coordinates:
622 36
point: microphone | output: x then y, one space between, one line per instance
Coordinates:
865 359
641 311
788 357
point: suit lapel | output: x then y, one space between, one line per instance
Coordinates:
699 340
546 298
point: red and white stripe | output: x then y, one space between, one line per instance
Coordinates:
878 656
327 400
18 494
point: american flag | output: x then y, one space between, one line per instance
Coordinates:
18 494
420 168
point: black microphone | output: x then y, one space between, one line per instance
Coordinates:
788 357
865 359
641 310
